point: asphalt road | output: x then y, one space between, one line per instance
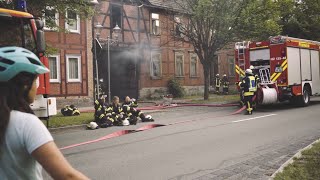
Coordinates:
215 145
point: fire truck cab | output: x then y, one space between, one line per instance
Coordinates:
22 29
288 68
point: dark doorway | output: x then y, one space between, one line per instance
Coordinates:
124 73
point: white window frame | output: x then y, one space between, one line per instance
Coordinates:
58 68
56 16
233 74
78 24
155 17
79 67
175 63
151 65
191 56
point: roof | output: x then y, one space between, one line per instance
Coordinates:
167 4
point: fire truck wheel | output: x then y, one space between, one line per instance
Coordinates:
304 99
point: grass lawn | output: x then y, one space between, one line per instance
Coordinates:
60 120
304 168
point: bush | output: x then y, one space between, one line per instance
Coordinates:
175 88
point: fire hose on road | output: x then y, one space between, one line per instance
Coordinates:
151 126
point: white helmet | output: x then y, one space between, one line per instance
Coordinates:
125 122
224 75
251 67
148 116
249 71
92 125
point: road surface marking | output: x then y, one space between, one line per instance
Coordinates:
249 119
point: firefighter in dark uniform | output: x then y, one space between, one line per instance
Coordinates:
129 106
70 111
225 84
249 87
217 81
101 117
119 114
257 78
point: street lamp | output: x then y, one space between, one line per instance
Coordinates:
99 27
116 32
95 4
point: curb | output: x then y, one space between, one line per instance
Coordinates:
290 161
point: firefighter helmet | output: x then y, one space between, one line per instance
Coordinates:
14 60
92 125
148 117
125 122
249 71
224 75
217 75
251 67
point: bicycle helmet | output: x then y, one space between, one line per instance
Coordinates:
14 60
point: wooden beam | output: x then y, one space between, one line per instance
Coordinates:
129 26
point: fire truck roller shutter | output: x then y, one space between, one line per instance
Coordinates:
305 64
294 70
315 67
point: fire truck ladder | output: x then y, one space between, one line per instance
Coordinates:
241 46
265 76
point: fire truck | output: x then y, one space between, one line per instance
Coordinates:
21 29
288 68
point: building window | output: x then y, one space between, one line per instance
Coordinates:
155 64
155 24
51 18
179 61
72 22
231 66
73 68
116 16
193 65
179 28
54 66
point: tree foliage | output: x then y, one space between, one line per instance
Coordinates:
300 19
214 24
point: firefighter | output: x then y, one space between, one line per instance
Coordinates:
249 87
70 110
240 91
225 84
130 102
120 115
103 119
129 107
217 81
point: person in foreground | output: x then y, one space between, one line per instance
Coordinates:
25 143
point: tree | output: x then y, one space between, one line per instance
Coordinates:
300 19
214 24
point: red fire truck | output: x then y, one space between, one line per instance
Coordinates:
22 29
288 68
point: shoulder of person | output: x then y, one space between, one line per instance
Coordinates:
23 116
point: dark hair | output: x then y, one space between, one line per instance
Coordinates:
14 96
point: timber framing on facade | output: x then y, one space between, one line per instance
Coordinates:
150 51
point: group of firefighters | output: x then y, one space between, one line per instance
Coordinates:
116 114
125 114
248 88
224 82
